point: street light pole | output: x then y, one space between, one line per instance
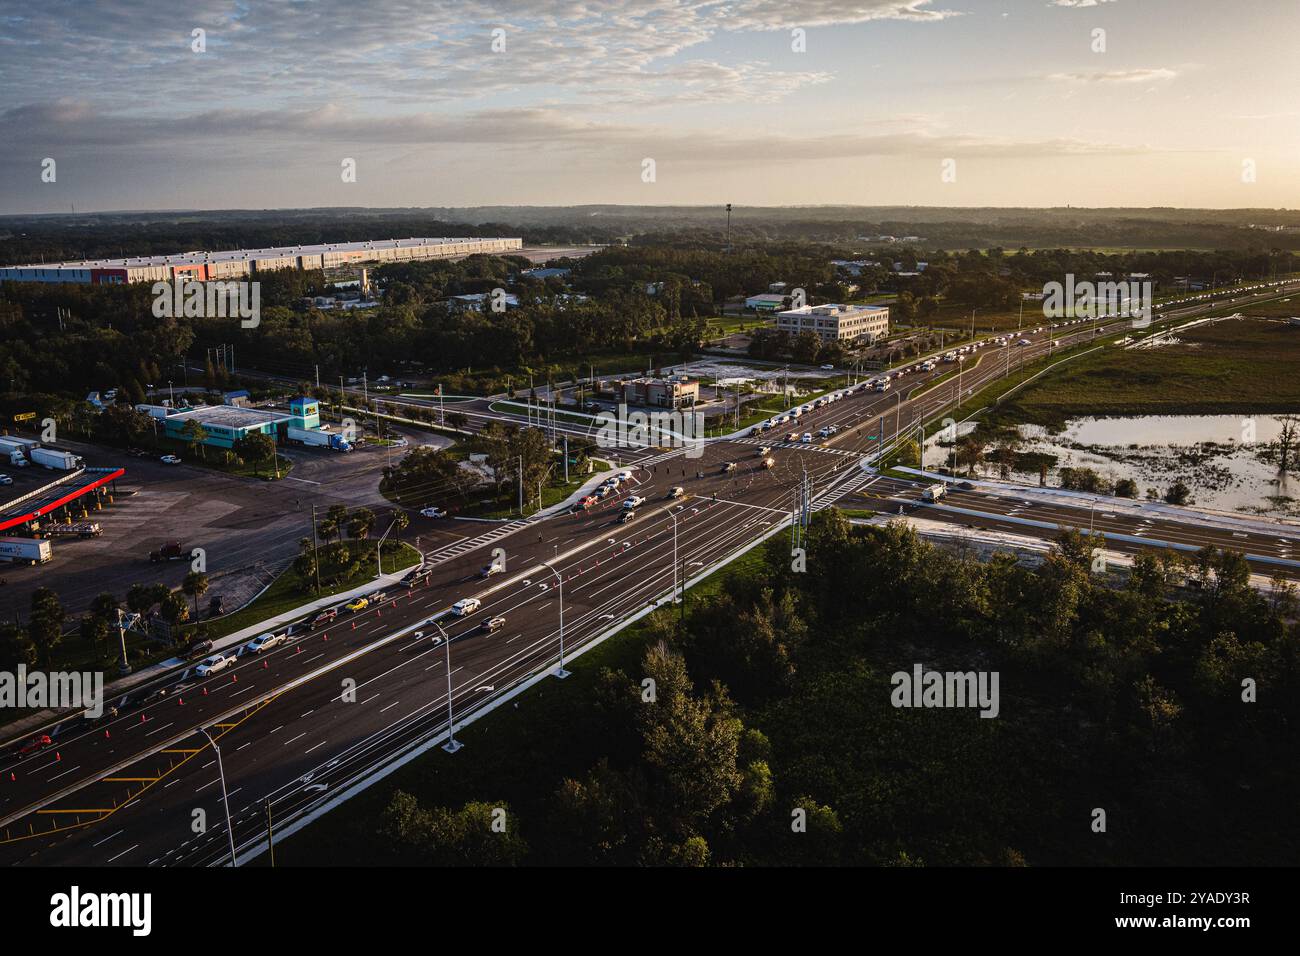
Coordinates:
225 797
561 673
452 744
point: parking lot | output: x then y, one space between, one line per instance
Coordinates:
249 529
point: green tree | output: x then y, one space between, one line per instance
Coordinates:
45 626
195 436
195 586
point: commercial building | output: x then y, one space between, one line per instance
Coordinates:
243 263
836 323
677 391
224 425
767 302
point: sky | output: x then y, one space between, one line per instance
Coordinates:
122 104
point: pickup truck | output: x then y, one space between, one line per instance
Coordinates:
264 642
212 665
171 551
324 617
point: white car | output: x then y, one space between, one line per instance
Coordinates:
633 502
828 368
807 438
466 606
6 480
211 665
432 513
676 491
264 642
625 476
170 460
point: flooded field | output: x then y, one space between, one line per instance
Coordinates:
1230 462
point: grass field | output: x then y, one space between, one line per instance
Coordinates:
1236 365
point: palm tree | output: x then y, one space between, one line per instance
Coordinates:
195 586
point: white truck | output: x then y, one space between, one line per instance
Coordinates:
55 460
934 492
24 550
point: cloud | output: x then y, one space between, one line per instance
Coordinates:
1079 3
1117 76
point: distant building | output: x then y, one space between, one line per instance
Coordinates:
677 391
779 287
480 302
853 267
836 323
767 302
241 263
547 273
225 425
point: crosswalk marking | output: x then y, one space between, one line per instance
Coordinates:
469 544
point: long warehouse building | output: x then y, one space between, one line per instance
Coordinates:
238 263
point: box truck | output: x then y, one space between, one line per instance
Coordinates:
934 492
24 550
55 460
319 439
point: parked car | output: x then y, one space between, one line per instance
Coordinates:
324 617
198 648
625 475
170 460
633 502
214 664
6 480
466 606
490 569
629 515
676 491
264 642
360 604
432 513
39 742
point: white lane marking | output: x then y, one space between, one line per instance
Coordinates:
124 853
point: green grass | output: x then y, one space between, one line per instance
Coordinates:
288 591
554 732
1233 366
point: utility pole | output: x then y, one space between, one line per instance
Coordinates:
452 744
315 548
270 835
728 227
566 461
521 486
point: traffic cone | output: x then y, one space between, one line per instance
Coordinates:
298 650
12 778
106 734
57 756
205 692
264 665
143 718
180 701
327 637
234 678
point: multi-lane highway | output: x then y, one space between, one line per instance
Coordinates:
301 724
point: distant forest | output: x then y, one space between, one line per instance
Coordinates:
53 238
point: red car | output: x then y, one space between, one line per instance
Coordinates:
39 742
324 617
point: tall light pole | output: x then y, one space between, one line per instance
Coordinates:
452 744
225 797
379 558
672 517
560 672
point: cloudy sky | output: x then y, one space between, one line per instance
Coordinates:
551 102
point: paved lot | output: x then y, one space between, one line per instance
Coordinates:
250 529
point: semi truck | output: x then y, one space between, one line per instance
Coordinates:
24 550
82 529
55 460
319 439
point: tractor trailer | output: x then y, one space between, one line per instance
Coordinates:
55 460
319 439
24 550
